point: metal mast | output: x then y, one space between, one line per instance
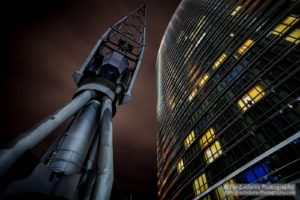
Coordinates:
79 165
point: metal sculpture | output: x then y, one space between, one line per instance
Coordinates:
79 165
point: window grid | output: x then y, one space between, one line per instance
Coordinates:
219 61
216 128
193 94
212 152
236 10
207 138
189 139
251 97
200 184
184 45
203 80
184 93
200 83
285 25
244 48
293 36
183 108
180 166
207 197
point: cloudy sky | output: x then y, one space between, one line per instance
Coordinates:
43 42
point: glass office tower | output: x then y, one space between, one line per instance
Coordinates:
228 97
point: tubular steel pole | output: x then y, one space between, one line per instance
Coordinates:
34 136
88 176
105 171
71 153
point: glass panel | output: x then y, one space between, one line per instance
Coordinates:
279 29
242 105
289 20
293 36
207 198
207 137
200 184
259 171
189 139
219 61
285 25
236 10
250 176
244 48
249 99
200 83
213 152
193 94
203 79
180 166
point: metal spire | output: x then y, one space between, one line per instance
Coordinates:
126 37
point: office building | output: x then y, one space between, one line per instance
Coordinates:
228 107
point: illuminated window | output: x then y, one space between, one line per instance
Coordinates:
171 103
220 191
173 106
207 137
213 152
200 184
294 36
189 139
250 98
259 173
180 166
164 182
285 25
207 197
243 48
236 10
219 61
203 80
195 74
200 83
193 93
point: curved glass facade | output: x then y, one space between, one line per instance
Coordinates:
228 97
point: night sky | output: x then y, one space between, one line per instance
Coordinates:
43 42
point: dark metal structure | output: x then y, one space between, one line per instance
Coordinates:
79 165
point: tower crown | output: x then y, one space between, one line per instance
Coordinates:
116 58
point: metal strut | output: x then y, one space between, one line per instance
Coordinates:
40 131
105 170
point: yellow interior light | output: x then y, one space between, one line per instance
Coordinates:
251 97
236 10
207 137
213 152
189 139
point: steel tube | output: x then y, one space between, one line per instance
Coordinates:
105 171
34 136
88 177
70 155
90 161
